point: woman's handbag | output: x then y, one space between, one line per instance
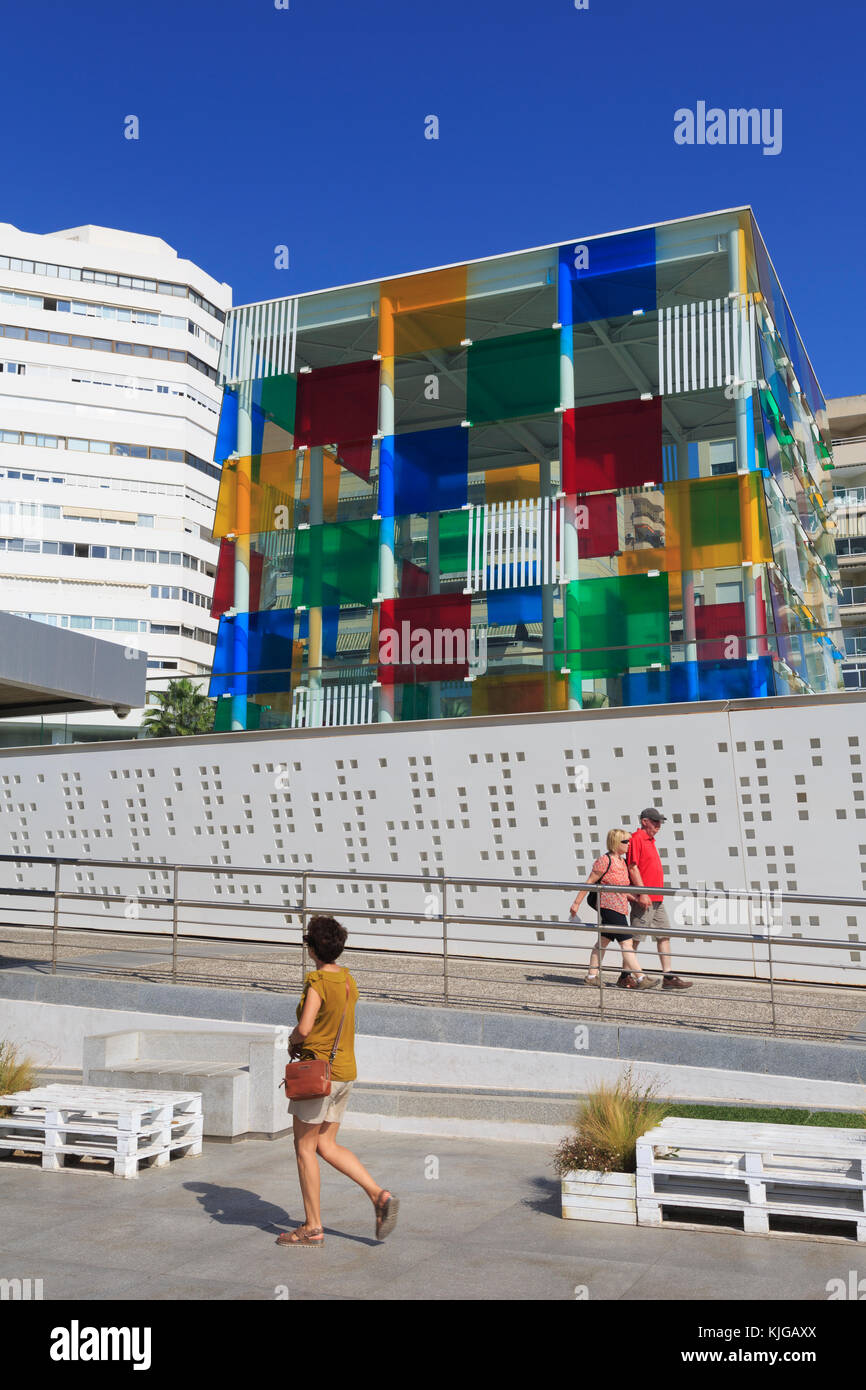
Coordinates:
592 898
312 1079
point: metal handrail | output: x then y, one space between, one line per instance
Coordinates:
758 934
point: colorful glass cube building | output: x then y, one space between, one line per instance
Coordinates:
592 474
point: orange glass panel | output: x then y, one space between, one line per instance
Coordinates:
427 311
257 494
519 692
715 522
512 484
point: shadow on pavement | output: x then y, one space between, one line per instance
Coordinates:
237 1206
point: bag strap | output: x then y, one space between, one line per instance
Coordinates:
340 1029
606 868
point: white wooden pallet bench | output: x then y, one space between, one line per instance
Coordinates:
121 1126
759 1171
186 1111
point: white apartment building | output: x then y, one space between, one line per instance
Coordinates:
848 427
109 404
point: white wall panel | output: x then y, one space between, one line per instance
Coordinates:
768 795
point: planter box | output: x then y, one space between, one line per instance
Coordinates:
588 1196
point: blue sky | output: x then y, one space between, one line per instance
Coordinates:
305 127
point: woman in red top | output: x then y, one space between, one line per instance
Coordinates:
611 868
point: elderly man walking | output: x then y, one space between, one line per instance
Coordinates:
648 915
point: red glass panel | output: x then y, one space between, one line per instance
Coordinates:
611 446
424 638
337 403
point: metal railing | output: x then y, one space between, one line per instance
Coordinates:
764 973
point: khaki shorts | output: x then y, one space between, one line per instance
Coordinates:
650 921
323 1109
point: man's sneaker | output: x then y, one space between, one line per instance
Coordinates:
624 981
674 982
643 983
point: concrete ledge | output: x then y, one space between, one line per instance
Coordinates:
531 1033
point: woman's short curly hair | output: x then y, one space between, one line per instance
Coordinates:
326 938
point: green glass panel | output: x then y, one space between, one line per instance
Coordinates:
715 511
415 702
512 376
453 542
278 400
336 564
222 723
617 624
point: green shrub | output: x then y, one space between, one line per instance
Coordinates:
608 1125
16 1073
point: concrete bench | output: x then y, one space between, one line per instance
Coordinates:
760 1172
238 1074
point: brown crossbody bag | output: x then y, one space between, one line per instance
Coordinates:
312 1080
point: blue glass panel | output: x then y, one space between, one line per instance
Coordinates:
613 275
731 680
704 680
227 433
268 639
330 627
670 687
771 445
430 471
513 606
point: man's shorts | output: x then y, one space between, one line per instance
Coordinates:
323 1109
650 921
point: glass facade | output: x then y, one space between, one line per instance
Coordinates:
590 475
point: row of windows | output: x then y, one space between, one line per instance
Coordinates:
80 550
81 622
125 383
41 335
150 318
103 446
851 545
114 484
185 595
52 512
108 277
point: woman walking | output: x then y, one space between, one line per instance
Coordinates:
326 1012
611 868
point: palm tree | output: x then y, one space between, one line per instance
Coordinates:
180 710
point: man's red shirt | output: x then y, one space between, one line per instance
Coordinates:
643 854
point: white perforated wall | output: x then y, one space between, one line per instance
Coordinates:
769 795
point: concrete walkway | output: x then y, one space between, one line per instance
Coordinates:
486 1228
729 1005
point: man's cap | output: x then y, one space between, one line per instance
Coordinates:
652 813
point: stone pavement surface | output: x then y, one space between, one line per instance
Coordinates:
486 1228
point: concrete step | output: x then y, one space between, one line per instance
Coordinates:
468 1103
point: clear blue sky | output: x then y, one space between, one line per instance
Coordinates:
306 127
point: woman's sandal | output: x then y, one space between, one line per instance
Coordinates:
386 1214
303 1236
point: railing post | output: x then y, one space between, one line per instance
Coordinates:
56 917
598 940
174 883
444 941
770 964
303 925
